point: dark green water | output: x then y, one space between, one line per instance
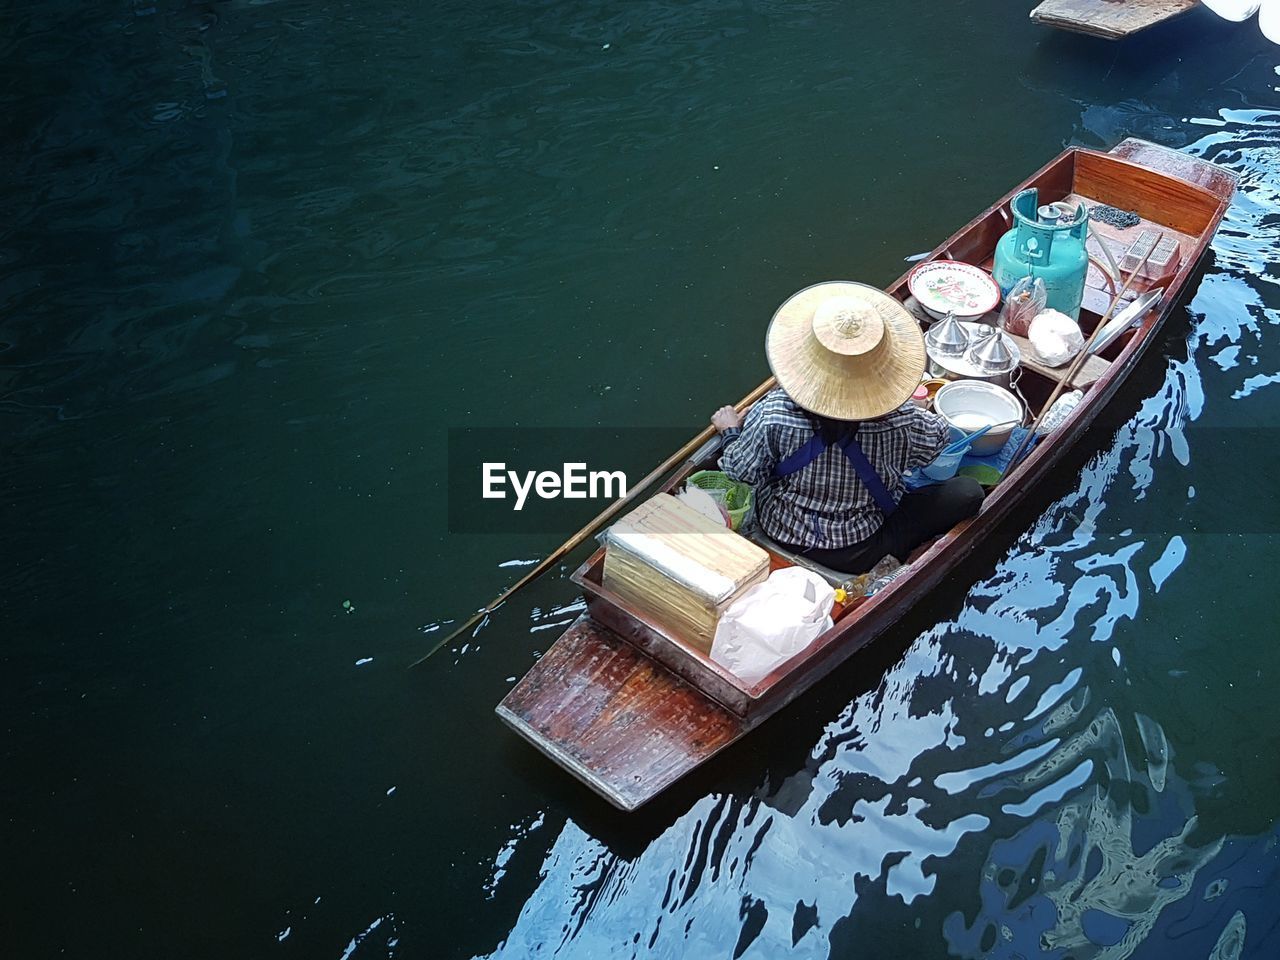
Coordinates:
255 258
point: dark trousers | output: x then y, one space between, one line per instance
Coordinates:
921 515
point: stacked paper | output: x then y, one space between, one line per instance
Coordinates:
680 568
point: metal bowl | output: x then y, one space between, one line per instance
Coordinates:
969 405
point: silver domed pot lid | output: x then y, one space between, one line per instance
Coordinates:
981 335
994 355
947 338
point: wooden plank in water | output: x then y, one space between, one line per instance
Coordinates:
1110 19
621 723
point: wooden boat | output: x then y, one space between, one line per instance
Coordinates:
1109 19
628 708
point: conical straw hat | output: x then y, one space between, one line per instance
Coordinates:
846 350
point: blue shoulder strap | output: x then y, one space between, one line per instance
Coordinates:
816 446
803 456
868 475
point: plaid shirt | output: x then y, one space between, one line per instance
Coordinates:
825 506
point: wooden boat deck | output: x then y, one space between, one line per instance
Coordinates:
624 725
629 708
1109 19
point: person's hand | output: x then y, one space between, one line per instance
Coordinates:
726 418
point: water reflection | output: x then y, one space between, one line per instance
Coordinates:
1002 732
1076 881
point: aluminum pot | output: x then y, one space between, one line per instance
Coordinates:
966 368
969 405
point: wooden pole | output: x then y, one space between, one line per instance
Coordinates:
1079 360
604 517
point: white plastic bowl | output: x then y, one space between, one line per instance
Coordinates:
969 405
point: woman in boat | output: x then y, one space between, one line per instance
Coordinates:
827 449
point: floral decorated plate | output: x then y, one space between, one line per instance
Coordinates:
949 286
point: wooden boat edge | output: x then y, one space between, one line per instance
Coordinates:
548 749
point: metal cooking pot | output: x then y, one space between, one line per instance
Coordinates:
998 361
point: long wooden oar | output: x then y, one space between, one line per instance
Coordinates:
605 516
1080 359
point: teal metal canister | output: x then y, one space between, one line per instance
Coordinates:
1053 252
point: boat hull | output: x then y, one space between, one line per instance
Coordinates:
629 709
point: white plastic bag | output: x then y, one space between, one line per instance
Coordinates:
772 622
1022 304
1056 337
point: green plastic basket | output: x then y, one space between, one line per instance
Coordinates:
737 495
